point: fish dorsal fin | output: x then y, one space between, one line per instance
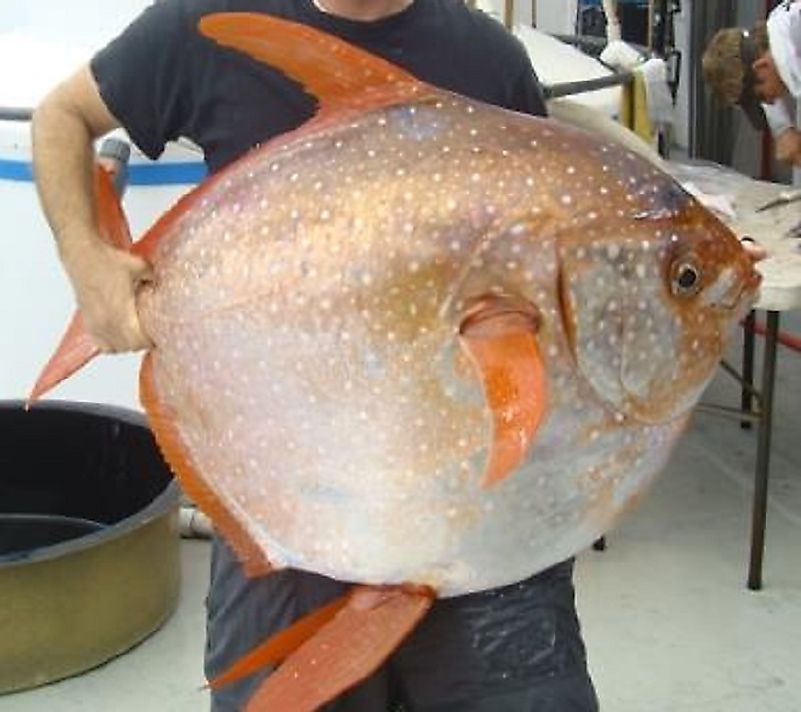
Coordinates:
339 75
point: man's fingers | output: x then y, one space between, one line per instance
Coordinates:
110 309
755 251
124 337
140 270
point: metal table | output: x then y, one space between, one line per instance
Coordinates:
781 291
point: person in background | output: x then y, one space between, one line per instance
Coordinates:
759 69
515 648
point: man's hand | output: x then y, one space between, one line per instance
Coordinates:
105 280
788 146
756 252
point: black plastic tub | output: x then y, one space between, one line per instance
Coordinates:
89 546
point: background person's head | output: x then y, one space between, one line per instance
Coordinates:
739 69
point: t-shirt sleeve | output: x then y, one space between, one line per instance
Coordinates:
142 76
527 95
525 90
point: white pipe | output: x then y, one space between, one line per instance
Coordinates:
193 524
612 23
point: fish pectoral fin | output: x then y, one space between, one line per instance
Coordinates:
499 335
336 647
338 74
77 347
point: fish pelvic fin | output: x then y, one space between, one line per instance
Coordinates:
281 645
342 77
254 560
335 647
76 347
499 335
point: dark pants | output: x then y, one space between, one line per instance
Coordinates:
511 649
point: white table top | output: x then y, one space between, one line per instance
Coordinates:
781 286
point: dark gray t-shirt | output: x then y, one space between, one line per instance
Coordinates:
161 79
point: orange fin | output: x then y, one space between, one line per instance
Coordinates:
277 648
76 347
110 216
338 74
344 651
253 558
74 351
499 335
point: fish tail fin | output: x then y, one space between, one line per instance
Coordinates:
334 648
76 347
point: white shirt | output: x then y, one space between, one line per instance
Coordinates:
784 36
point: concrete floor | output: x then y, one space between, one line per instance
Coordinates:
668 622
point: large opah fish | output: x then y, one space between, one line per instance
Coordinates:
422 344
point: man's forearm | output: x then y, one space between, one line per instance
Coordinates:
105 278
64 128
63 157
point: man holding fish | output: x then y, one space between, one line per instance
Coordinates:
512 648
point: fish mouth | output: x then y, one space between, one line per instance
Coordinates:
747 296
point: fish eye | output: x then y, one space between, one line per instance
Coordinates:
686 279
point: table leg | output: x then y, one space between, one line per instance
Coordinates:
760 505
747 401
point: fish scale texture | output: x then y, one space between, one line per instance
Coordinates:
307 315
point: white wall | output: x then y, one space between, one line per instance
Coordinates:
78 21
681 136
496 9
556 16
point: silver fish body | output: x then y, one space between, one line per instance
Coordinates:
307 312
